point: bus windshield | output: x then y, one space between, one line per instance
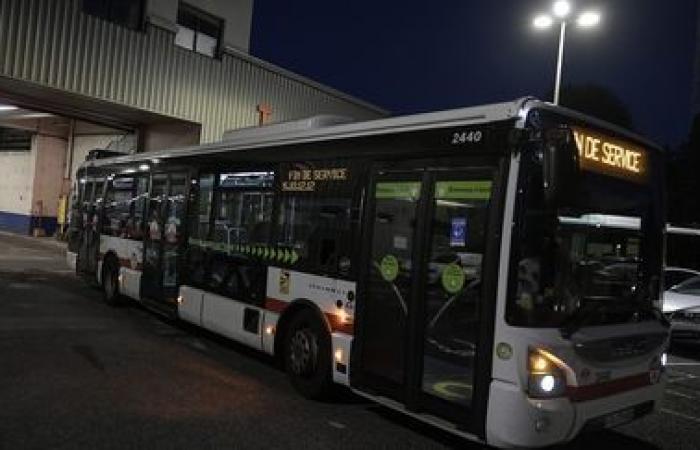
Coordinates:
587 262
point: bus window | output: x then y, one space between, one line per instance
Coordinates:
172 230
318 230
75 217
228 259
200 207
117 209
243 208
137 223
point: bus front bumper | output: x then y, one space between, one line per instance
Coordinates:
71 260
515 420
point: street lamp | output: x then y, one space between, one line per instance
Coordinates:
561 10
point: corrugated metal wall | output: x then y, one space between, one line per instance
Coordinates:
52 43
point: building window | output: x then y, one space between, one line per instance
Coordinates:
198 31
12 140
127 13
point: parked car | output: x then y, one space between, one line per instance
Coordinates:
681 304
673 276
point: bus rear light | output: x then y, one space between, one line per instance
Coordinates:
546 376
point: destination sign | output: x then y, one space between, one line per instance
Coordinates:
610 156
306 178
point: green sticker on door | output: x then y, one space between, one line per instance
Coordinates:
452 278
389 268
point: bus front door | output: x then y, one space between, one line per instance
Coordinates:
419 305
165 223
88 252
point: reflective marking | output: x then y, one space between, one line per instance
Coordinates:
337 425
678 414
679 394
449 388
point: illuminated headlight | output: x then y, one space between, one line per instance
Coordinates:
664 359
546 379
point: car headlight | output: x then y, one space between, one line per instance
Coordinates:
546 377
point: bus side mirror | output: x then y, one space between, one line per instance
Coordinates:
561 167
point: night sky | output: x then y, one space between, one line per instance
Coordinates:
413 56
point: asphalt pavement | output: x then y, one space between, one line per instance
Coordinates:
76 373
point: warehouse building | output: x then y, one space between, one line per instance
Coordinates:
130 76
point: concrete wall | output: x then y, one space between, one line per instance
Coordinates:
49 164
237 16
16 182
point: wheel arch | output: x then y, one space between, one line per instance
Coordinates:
294 308
110 258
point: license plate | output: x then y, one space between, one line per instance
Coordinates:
619 417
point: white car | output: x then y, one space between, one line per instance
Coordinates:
681 304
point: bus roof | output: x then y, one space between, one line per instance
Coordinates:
332 127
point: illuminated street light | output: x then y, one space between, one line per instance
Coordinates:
562 9
588 19
543 21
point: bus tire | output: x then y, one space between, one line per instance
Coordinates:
307 355
110 283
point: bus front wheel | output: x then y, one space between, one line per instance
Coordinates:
110 283
307 356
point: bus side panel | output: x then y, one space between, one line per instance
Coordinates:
227 317
129 254
334 297
130 283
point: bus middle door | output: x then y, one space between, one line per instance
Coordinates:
419 320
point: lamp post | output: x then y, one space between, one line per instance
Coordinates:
561 10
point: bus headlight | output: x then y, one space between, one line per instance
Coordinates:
546 377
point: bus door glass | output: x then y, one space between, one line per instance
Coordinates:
165 222
90 241
152 244
422 290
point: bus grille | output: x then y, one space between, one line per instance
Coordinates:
616 349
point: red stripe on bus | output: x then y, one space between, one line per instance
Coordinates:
274 305
600 390
278 306
123 262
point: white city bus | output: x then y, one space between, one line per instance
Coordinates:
493 271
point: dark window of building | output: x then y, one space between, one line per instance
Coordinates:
127 13
198 31
12 140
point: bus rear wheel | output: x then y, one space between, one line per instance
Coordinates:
307 355
110 283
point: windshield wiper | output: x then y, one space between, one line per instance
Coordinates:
593 305
575 320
